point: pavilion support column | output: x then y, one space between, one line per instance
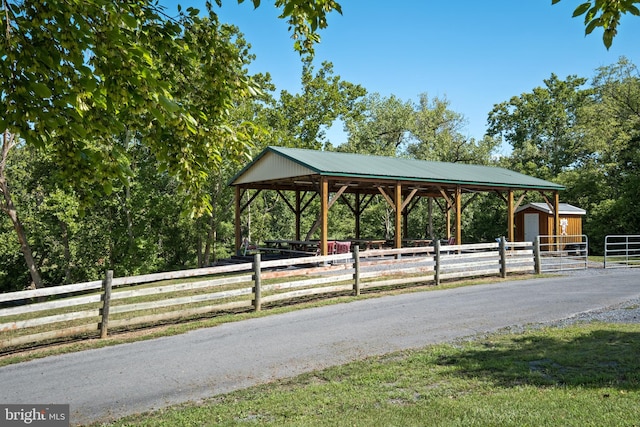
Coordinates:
357 212
398 203
458 215
324 214
511 217
556 218
238 225
429 233
298 213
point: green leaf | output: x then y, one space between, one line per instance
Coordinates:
107 187
168 104
607 37
41 90
581 9
633 10
288 9
129 21
591 26
555 2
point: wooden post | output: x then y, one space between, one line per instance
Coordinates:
537 260
511 217
437 260
398 203
503 257
238 224
556 219
356 272
358 211
106 302
324 215
257 303
458 215
298 214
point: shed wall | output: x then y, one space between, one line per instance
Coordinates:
546 225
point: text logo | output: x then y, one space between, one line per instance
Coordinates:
34 415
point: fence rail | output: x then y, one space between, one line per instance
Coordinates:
621 251
91 308
563 252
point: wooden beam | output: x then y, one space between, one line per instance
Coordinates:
556 216
445 196
517 205
238 225
324 214
510 217
337 196
499 193
319 220
399 207
251 199
408 198
298 213
386 197
458 215
469 201
286 201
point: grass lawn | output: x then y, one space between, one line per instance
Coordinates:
579 375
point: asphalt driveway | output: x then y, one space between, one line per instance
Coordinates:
112 382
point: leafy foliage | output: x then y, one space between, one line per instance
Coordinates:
605 14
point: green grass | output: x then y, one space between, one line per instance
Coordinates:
581 375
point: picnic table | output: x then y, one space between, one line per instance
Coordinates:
291 246
417 242
366 244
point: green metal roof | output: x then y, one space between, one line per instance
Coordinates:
336 164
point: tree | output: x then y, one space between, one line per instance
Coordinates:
77 77
379 126
300 120
79 73
437 135
8 207
604 14
543 126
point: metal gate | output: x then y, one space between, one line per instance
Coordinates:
621 251
562 252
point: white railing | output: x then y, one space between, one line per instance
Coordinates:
621 251
563 252
94 308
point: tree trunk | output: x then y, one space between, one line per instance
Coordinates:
67 252
10 210
7 206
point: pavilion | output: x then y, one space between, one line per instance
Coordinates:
401 181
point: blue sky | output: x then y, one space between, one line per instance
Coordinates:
474 53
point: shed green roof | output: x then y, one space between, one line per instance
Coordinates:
275 163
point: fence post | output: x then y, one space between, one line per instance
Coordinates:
356 272
106 302
257 303
537 260
437 260
503 257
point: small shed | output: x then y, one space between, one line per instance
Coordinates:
536 219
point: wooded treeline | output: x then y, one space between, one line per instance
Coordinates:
128 201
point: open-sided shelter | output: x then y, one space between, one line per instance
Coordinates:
400 181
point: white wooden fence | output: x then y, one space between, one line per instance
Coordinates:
91 309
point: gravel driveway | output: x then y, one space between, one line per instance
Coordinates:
111 382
